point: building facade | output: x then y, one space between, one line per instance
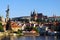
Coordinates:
35 16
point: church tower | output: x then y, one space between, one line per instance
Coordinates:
7 13
35 15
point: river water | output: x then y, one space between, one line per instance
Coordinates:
31 38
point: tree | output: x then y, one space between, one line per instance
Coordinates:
1 28
39 20
28 28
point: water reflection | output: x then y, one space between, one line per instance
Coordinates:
27 38
9 38
30 38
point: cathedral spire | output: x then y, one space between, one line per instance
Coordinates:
34 11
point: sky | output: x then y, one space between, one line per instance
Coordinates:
20 8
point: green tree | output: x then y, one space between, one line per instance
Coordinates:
1 28
39 20
36 29
28 28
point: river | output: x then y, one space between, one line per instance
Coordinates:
31 38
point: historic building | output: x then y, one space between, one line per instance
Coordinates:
8 21
35 15
2 19
7 14
54 18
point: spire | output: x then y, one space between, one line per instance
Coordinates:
34 12
31 12
7 13
54 17
7 9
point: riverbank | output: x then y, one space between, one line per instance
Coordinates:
25 33
31 38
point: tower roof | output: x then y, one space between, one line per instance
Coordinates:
7 8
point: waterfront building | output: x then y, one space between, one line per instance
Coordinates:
2 19
15 26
